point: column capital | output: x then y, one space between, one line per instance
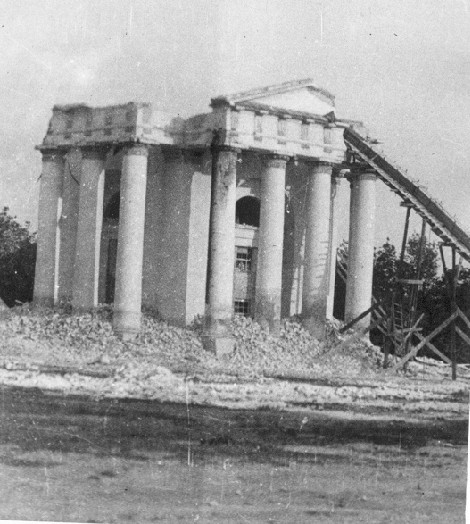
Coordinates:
319 163
136 149
224 147
335 181
320 167
340 172
94 152
361 174
220 140
359 170
275 160
52 154
172 154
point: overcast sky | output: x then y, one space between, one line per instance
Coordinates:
401 66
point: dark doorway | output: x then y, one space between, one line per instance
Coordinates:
247 212
111 270
111 211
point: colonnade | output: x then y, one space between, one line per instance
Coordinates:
319 258
319 254
128 292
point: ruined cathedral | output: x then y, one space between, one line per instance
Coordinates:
231 211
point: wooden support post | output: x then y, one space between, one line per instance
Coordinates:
415 287
452 283
453 306
405 239
387 342
413 329
454 309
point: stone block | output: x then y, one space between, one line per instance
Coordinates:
220 346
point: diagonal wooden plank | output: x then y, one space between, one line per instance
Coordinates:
357 336
463 317
413 329
415 350
349 325
432 347
409 332
465 337
381 329
379 306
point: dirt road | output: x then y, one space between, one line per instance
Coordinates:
75 459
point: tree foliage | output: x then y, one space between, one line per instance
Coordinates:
385 271
17 260
433 300
428 264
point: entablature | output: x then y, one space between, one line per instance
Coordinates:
295 119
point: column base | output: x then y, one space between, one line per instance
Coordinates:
83 305
127 324
268 314
80 309
360 325
221 346
217 337
3 309
315 327
273 326
43 302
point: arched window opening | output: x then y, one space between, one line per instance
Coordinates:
247 212
112 209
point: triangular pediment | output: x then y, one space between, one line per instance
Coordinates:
301 96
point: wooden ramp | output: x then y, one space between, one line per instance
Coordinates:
443 225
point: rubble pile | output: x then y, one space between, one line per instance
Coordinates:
55 350
296 352
59 337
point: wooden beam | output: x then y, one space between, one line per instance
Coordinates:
357 336
465 337
463 317
415 350
410 331
381 329
432 347
407 330
404 240
411 281
349 325
379 307
453 293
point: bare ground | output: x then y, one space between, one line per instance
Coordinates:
76 459
284 430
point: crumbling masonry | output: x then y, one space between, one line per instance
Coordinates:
229 211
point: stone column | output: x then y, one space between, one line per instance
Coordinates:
361 246
330 302
221 250
128 291
271 238
48 242
317 249
69 223
90 222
